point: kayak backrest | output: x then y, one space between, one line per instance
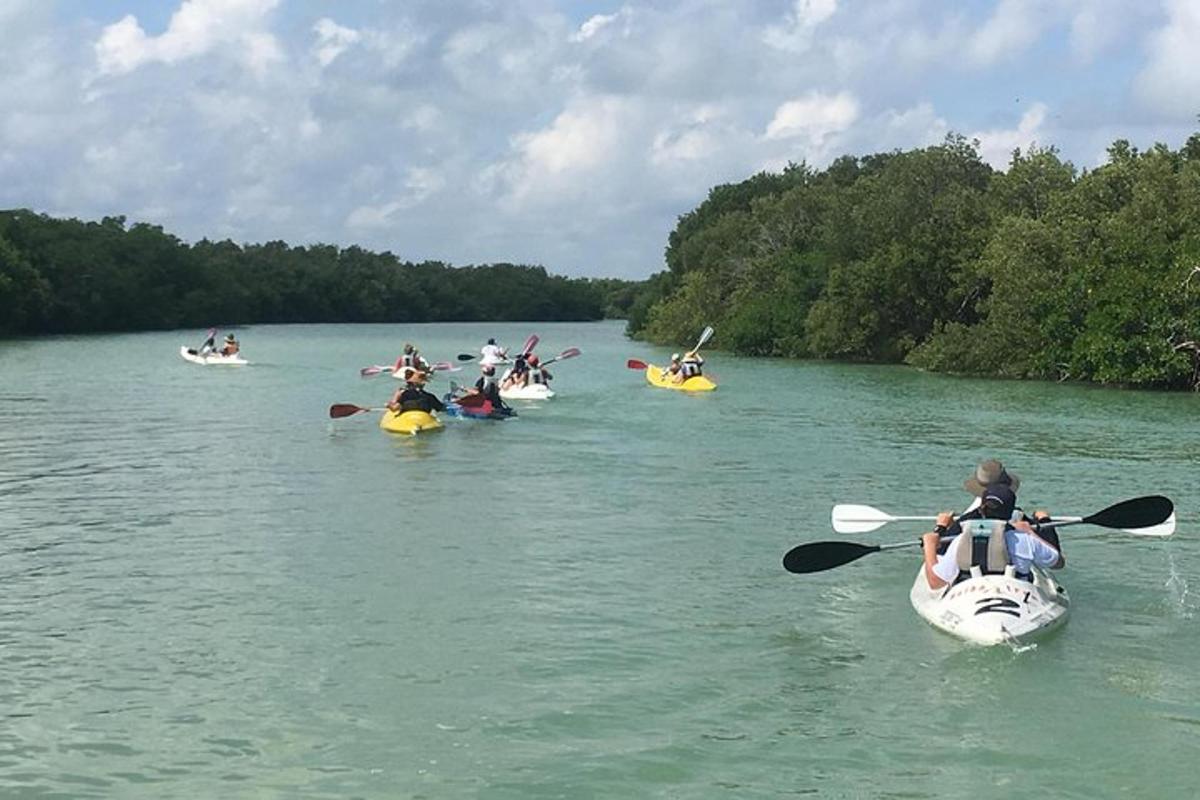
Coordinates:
987 550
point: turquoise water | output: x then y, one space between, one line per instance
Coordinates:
210 589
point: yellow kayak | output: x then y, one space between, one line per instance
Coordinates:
698 383
410 422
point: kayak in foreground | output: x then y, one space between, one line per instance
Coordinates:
211 359
534 391
993 608
409 422
483 411
991 605
697 383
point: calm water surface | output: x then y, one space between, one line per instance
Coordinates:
209 589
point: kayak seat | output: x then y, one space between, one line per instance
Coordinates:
986 552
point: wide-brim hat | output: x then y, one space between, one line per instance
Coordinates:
990 472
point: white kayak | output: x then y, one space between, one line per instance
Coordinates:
212 359
534 391
993 608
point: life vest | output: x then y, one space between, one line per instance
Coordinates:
537 375
690 369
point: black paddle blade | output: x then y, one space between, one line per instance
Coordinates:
465 357
1140 512
820 556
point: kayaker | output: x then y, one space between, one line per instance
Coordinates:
990 472
489 387
538 373
210 344
518 374
1025 544
674 369
493 353
690 364
231 347
412 396
411 358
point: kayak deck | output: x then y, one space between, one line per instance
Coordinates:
212 359
698 383
409 422
993 608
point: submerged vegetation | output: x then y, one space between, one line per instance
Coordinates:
69 276
932 258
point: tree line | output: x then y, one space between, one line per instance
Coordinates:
72 276
932 258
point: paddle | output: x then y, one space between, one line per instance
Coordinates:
705 335
1141 516
530 343
441 366
570 352
466 357
633 363
820 556
339 410
1153 515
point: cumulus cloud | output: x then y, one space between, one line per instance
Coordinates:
996 146
195 29
1170 82
1012 28
813 117
332 40
598 23
795 34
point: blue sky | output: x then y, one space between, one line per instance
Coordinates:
567 134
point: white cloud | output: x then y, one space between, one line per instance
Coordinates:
1170 82
597 23
332 40
996 146
196 28
558 159
813 117
1012 28
795 35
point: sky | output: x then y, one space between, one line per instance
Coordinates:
568 134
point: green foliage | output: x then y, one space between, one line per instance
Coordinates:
67 276
931 257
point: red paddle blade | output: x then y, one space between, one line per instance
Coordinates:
530 343
570 352
339 410
633 363
369 372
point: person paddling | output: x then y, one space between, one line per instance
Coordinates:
489 387
690 365
492 353
410 358
518 374
538 373
674 370
1026 546
210 344
412 396
231 346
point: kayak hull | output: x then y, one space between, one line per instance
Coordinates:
534 391
213 359
699 383
989 609
486 411
409 422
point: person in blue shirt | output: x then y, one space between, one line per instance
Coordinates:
1027 546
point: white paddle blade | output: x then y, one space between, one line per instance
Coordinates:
850 518
705 335
1161 530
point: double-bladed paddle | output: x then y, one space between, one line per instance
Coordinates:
1153 515
705 335
570 352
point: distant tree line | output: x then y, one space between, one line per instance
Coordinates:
69 276
932 258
